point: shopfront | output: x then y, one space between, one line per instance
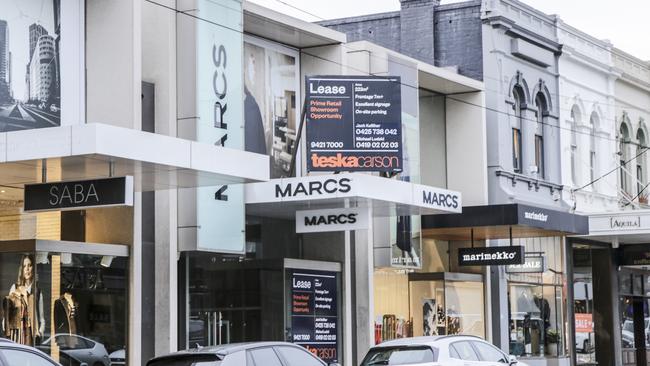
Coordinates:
611 274
531 288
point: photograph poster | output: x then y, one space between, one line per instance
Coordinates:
271 112
30 83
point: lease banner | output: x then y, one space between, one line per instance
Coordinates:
354 123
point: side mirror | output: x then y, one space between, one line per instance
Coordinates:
512 360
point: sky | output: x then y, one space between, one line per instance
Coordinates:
623 22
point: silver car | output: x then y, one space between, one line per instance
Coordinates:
79 348
12 354
438 350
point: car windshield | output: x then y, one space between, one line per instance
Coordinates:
398 356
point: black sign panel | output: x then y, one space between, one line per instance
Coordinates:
634 255
354 123
74 195
314 312
533 264
491 256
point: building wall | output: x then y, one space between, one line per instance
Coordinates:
458 38
382 29
587 93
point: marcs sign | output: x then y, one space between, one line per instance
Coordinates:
336 219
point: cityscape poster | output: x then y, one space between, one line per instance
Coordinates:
30 85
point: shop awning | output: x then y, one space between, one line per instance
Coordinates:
387 197
92 150
499 221
275 26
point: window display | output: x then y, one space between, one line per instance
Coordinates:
71 306
536 303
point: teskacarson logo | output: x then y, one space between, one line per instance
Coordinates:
537 216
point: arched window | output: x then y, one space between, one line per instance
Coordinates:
517 157
640 160
623 139
593 123
575 120
542 108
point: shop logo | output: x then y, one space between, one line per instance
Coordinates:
625 223
329 186
537 216
440 199
352 162
73 196
331 219
491 256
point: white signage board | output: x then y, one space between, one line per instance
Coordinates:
336 219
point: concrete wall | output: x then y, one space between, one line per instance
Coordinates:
467 147
113 68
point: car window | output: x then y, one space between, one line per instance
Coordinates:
297 357
398 356
264 357
67 342
189 361
24 358
489 353
464 351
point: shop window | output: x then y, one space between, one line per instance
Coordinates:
536 303
65 303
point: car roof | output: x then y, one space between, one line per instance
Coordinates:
224 349
6 343
423 341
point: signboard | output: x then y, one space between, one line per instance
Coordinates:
354 123
634 255
584 323
77 195
532 264
337 219
314 312
211 110
491 256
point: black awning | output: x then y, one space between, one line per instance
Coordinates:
502 221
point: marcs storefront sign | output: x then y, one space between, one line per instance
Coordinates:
491 256
76 195
337 219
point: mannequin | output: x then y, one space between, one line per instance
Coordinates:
65 314
20 323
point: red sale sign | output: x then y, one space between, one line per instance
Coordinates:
584 323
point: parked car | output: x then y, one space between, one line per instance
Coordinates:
453 350
79 348
13 354
242 354
118 358
585 342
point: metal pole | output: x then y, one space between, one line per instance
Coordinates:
298 135
510 230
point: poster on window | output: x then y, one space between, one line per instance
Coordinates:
315 313
271 110
30 68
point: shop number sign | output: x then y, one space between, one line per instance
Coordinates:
314 312
354 123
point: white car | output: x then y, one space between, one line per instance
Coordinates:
454 350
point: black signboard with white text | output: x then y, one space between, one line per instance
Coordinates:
76 195
354 123
315 313
491 256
